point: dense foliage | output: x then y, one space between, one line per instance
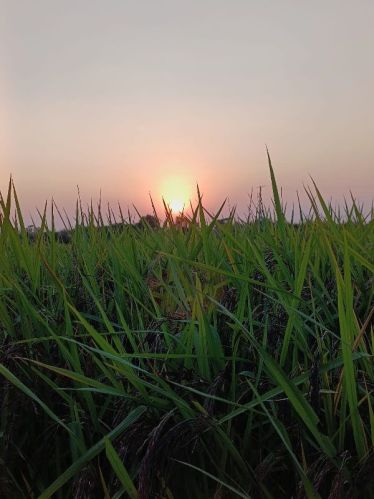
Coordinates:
194 360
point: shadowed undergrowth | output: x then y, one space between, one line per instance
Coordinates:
194 360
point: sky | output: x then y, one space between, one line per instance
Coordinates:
130 97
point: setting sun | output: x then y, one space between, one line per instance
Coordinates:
176 205
176 192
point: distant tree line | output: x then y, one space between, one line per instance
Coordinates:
64 236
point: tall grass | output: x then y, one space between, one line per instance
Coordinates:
214 360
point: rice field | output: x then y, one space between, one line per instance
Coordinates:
188 360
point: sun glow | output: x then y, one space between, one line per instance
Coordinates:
176 193
176 205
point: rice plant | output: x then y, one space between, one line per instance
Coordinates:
187 358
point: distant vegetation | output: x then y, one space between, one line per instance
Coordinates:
199 359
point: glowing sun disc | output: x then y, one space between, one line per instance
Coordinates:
176 205
175 190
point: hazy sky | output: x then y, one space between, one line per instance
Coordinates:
121 95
